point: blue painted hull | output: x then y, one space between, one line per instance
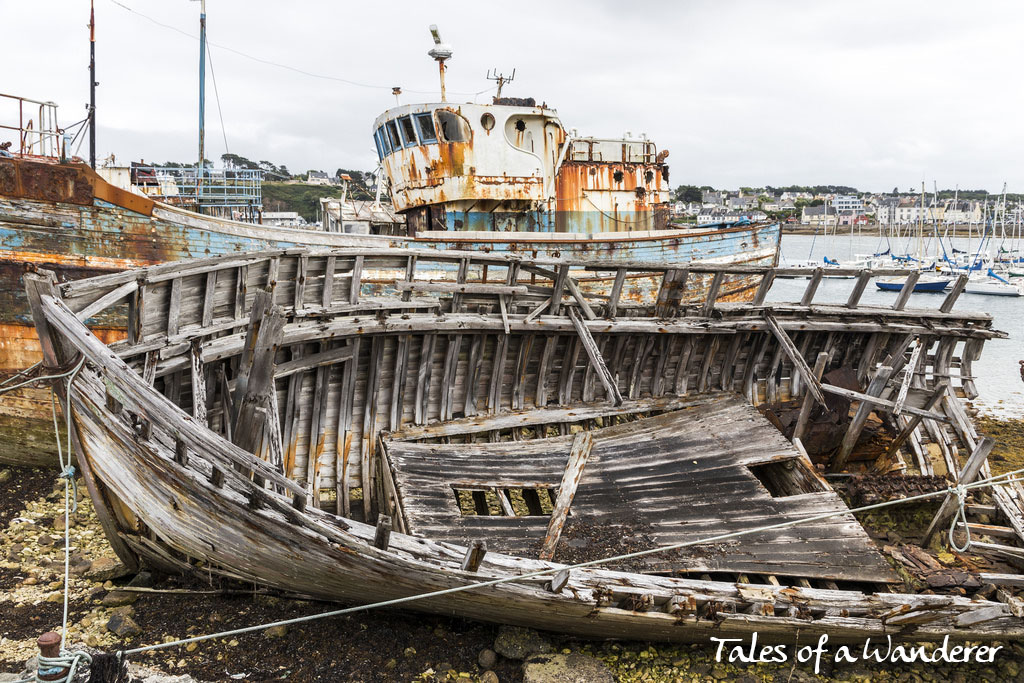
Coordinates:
932 286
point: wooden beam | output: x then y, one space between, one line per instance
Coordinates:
908 288
888 405
875 388
712 296
355 282
577 294
808 403
596 360
968 474
812 286
767 279
107 300
954 293
258 371
799 364
901 438
464 288
582 444
858 288
613 297
198 383
475 553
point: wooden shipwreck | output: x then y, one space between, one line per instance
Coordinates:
346 425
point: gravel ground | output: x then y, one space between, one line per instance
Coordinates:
382 646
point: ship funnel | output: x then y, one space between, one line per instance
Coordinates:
441 52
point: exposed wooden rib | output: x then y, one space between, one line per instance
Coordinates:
954 293
557 289
466 288
762 289
107 300
969 473
812 286
344 445
908 288
611 391
613 298
355 282
198 384
799 364
582 444
370 399
327 291
316 360
302 266
858 289
808 402
712 295
875 388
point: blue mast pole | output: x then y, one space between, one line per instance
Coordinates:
201 169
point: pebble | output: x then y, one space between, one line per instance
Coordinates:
487 659
5 476
276 632
409 652
489 677
559 668
516 642
45 539
123 626
118 598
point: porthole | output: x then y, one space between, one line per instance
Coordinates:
520 125
487 121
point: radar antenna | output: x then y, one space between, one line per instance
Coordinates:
502 79
441 52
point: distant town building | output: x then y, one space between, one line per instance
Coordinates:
283 219
711 216
318 178
818 215
742 203
843 203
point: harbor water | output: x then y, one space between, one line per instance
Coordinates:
998 375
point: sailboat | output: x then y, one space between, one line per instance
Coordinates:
927 280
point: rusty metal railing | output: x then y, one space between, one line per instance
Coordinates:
36 137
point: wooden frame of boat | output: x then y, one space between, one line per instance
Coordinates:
195 433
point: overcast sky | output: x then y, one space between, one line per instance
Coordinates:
869 94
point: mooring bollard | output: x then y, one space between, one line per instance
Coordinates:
49 647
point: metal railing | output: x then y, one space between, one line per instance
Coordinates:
36 137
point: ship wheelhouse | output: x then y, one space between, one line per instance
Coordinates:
511 167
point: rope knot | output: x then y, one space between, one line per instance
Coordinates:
960 519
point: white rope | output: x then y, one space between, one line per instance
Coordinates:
67 659
960 518
951 490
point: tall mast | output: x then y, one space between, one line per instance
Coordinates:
202 104
92 85
441 52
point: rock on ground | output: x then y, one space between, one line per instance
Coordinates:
516 642
559 668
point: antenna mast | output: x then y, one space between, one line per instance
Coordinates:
201 168
501 79
92 85
441 52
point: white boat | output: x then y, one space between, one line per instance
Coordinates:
993 285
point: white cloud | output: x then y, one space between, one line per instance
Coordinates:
871 94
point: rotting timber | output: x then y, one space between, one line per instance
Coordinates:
263 408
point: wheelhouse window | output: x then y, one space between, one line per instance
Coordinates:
379 144
408 131
393 137
382 140
426 128
453 127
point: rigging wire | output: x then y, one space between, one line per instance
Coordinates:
268 62
216 93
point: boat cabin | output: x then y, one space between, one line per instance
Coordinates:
511 166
